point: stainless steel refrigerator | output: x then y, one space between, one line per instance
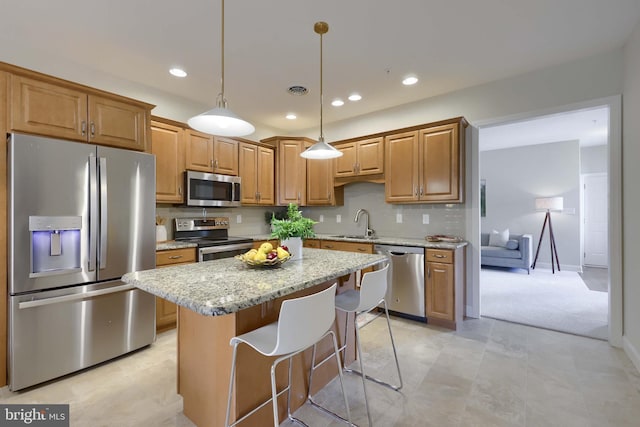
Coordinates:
80 216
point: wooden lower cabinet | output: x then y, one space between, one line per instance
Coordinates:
444 292
338 245
166 311
311 243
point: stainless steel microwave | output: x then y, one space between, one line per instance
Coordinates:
210 189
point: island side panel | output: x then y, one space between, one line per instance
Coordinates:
206 340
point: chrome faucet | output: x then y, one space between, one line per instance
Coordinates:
368 232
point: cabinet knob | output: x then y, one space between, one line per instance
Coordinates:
93 129
83 128
175 257
421 190
439 256
416 191
328 246
180 191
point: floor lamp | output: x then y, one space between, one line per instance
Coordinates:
549 204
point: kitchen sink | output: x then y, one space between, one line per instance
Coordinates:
348 236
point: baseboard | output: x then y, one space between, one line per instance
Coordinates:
563 267
632 352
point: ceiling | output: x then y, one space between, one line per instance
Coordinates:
590 127
271 45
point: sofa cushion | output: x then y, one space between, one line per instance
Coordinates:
512 244
499 238
497 252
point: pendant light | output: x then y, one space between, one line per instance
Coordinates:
220 120
321 150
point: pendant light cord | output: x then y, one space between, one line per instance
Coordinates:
222 101
321 97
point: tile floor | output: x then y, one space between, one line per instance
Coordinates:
489 373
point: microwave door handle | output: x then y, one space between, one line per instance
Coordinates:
103 213
93 211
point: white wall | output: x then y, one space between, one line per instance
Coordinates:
631 196
516 176
593 159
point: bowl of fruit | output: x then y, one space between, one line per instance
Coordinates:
265 256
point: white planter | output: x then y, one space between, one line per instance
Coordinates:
294 244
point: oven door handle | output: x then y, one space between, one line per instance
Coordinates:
224 248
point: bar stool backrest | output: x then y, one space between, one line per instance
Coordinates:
373 289
303 321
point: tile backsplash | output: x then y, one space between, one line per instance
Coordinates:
247 221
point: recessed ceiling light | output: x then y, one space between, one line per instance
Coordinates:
337 102
411 80
178 72
354 97
291 116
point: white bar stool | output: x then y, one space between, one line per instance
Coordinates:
302 323
373 289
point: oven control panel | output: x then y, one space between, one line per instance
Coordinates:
207 223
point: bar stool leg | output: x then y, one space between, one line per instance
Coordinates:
362 374
274 395
231 380
393 345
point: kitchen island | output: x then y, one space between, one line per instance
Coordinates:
223 298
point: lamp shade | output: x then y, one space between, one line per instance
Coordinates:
222 122
321 150
549 203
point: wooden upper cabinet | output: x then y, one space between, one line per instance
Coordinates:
320 182
440 177
213 154
48 107
426 165
291 170
256 167
225 156
116 123
402 167
167 144
199 151
364 157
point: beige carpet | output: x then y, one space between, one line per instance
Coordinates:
560 301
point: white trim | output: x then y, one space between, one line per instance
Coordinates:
632 352
473 223
615 202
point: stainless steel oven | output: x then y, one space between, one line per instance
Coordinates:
209 253
210 189
211 237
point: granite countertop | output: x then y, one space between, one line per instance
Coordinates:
227 285
172 244
382 240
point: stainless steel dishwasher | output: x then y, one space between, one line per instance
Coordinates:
405 289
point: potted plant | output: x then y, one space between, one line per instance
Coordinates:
292 229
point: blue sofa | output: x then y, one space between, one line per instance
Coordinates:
496 256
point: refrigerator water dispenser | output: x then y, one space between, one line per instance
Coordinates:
55 245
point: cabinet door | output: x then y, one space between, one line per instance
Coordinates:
199 151
440 161
320 182
370 156
266 176
166 311
311 243
440 291
402 167
336 245
225 156
117 124
46 109
292 172
346 164
248 168
167 145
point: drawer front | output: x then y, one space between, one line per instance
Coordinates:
311 243
366 248
440 255
175 256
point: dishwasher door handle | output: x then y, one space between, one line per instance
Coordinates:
398 253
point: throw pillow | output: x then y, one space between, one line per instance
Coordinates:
512 244
499 238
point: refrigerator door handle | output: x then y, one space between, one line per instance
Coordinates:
74 297
103 212
93 212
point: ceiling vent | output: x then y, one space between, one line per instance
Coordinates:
298 90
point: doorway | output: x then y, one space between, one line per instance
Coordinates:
581 229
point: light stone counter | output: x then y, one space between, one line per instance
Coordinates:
382 240
226 286
172 244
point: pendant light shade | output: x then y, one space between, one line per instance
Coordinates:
220 120
321 150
